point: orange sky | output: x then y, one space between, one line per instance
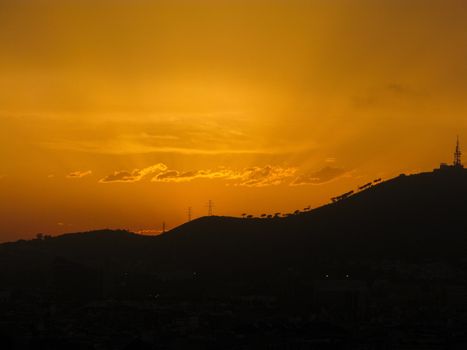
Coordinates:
122 114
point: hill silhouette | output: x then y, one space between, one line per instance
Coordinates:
409 217
418 216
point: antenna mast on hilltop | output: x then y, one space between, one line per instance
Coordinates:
457 155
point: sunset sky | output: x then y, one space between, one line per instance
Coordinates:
122 114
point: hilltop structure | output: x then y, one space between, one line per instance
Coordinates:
457 155
457 163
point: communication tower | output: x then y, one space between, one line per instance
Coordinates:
457 155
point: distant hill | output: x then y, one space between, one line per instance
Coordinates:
422 216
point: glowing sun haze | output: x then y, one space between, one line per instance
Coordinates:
123 114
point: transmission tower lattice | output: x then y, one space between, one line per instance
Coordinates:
210 206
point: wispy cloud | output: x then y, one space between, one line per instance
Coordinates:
258 176
177 176
78 174
251 177
266 176
389 93
134 175
209 135
319 177
128 148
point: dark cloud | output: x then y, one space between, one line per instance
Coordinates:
386 94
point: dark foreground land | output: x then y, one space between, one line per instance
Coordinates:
383 269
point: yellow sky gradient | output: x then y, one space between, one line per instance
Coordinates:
122 114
